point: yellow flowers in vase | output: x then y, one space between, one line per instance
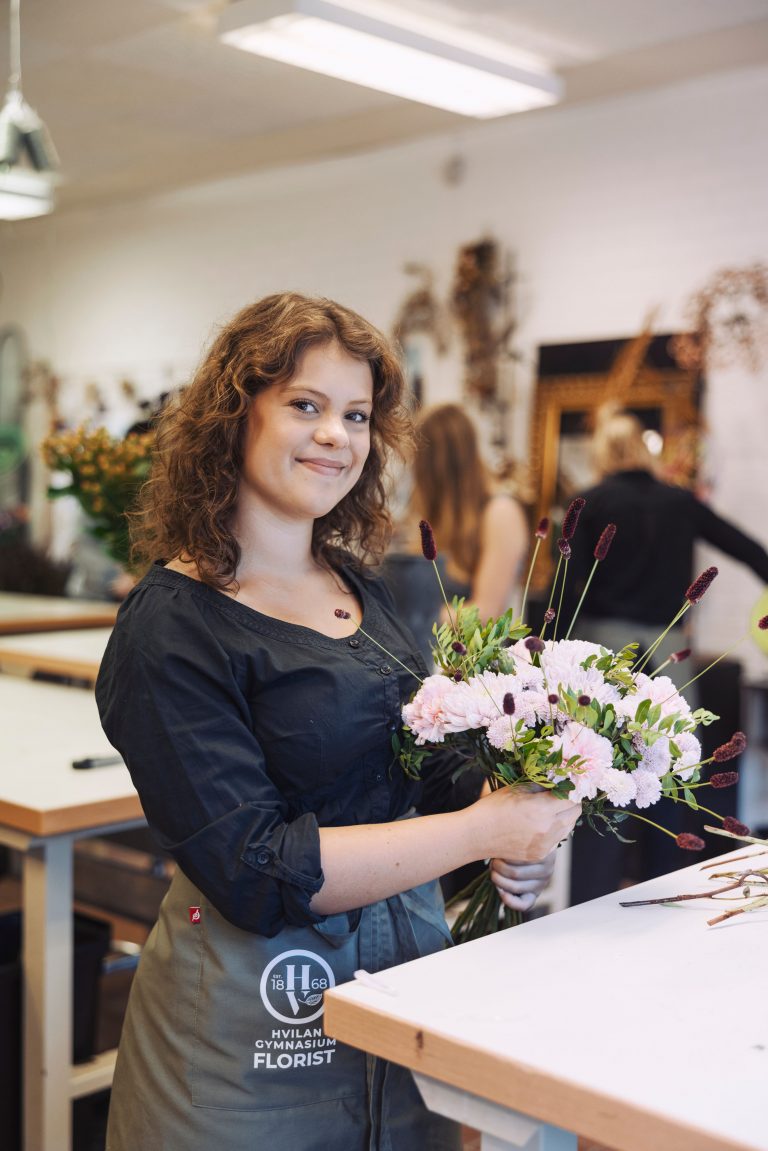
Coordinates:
105 475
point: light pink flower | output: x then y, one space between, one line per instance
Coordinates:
591 754
657 758
690 754
619 786
425 714
648 787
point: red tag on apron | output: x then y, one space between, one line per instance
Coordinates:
194 915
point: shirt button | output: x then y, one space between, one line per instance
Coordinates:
385 669
354 643
378 778
394 725
262 858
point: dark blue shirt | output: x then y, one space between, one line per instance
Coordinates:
245 734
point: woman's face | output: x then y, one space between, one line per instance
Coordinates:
307 440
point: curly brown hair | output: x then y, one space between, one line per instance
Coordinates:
186 507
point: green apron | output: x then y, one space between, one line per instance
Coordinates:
223 1046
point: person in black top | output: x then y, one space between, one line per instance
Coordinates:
256 722
637 591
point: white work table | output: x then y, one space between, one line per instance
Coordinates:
75 654
23 613
639 1027
45 805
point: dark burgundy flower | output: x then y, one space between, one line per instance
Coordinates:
735 826
553 698
584 700
603 545
428 545
700 585
341 614
534 644
458 647
543 528
735 745
724 778
458 676
508 703
689 842
572 517
564 548
679 656
762 623
549 615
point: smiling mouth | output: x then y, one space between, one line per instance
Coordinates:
325 467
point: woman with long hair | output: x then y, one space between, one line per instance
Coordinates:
256 720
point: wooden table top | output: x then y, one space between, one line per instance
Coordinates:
74 653
43 728
24 613
638 1027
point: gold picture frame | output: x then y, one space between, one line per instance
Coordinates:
671 394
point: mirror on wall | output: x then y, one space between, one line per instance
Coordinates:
574 380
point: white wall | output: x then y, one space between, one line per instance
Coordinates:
609 209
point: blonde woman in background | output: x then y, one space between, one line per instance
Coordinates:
481 531
641 586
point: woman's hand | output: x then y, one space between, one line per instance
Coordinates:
517 824
520 884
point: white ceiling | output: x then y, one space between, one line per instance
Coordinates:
140 97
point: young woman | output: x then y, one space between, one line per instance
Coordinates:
481 532
256 721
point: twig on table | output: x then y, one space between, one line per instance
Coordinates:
696 894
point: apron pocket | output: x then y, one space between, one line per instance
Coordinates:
426 912
259 1042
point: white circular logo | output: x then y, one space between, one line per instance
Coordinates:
293 985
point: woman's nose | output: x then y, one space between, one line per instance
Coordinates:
332 430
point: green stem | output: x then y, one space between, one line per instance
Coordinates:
390 654
642 818
707 668
581 601
659 639
528 580
554 584
560 601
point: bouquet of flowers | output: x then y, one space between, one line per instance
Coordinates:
105 475
588 724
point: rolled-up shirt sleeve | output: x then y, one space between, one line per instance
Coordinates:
171 704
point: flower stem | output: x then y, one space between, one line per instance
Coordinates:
552 592
659 639
581 601
528 580
560 601
707 668
390 654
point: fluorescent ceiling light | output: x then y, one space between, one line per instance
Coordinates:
339 41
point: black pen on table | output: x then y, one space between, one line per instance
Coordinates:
96 761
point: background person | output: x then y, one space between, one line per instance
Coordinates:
481 532
256 722
639 588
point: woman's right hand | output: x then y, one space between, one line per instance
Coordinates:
517 823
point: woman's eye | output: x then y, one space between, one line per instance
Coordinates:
358 417
304 405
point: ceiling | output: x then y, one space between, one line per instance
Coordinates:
140 96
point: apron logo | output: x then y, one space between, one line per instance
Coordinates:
293 984
194 915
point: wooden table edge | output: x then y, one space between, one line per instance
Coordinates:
61 820
20 625
53 665
617 1124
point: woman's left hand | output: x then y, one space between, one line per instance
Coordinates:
519 884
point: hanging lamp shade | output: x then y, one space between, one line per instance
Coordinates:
28 160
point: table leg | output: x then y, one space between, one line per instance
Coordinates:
502 1129
47 990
